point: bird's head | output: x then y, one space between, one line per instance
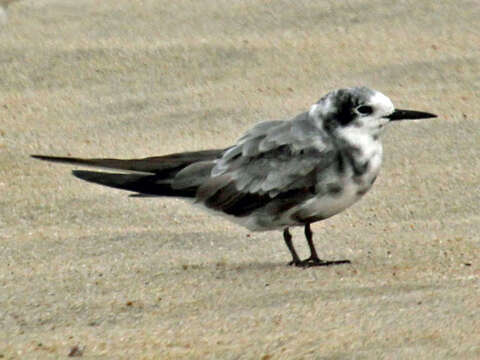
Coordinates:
359 110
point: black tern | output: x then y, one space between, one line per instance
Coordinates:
279 174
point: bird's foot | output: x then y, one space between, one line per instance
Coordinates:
315 261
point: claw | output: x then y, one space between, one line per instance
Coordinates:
312 261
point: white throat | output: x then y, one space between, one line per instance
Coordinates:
367 146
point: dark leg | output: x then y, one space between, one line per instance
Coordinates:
288 240
314 260
313 253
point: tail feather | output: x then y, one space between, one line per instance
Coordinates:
143 184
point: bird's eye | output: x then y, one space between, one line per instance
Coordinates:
365 110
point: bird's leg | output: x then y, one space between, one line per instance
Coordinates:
314 260
288 241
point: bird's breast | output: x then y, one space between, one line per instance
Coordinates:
341 186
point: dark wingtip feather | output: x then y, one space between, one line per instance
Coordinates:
63 159
139 195
44 157
131 182
92 176
143 184
165 166
120 181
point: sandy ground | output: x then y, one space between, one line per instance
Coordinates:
87 271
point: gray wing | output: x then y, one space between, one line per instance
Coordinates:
276 160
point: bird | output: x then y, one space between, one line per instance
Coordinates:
280 174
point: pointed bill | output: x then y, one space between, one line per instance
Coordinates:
400 114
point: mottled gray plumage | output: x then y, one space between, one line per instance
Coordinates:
279 173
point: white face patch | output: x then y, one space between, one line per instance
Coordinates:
373 124
383 105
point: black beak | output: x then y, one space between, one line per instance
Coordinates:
399 114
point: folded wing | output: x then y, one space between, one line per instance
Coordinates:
275 164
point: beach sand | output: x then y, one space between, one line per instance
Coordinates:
87 271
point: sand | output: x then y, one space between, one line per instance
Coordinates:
88 271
